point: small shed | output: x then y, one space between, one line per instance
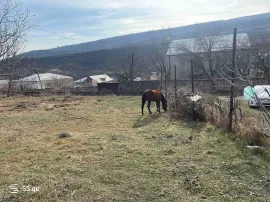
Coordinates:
93 80
84 82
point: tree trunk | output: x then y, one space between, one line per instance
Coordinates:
131 73
9 88
161 79
212 74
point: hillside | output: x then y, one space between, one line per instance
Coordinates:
82 64
96 57
244 24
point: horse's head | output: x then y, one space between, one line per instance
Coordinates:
164 103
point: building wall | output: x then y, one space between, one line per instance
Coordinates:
84 84
94 83
58 83
182 68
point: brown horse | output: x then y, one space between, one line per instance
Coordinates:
154 95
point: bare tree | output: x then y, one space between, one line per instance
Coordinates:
204 50
260 42
131 65
243 71
14 24
159 59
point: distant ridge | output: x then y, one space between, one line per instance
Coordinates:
244 24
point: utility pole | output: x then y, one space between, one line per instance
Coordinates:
175 87
39 79
131 72
192 89
169 68
232 81
169 65
161 78
165 81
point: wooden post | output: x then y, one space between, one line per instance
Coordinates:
131 73
169 67
232 81
39 79
169 70
161 79
175 87
165 81
192 88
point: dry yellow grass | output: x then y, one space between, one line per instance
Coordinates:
115 154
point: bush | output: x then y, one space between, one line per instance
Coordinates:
184 107
250 125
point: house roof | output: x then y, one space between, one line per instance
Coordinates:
99 78
138 79
4 82
223 42
81 80
44 77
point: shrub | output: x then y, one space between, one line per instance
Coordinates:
249 125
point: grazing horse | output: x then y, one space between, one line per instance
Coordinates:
154 95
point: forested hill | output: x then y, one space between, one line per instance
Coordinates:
95 62
244 24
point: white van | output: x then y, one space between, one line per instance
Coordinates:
263 93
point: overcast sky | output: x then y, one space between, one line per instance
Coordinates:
66 22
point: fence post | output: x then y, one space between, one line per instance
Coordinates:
131 72
175 87
232 81
192 88
165 81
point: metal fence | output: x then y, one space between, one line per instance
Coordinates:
138 87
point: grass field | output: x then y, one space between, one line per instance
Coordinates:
115 154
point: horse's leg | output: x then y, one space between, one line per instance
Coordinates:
143 102
148 106
158 106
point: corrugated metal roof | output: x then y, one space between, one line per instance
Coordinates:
99 78
138 79
81 80
221 43
45 77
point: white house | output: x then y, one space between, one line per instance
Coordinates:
46 80
179 50
83 82
93 80
4 84
138 79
